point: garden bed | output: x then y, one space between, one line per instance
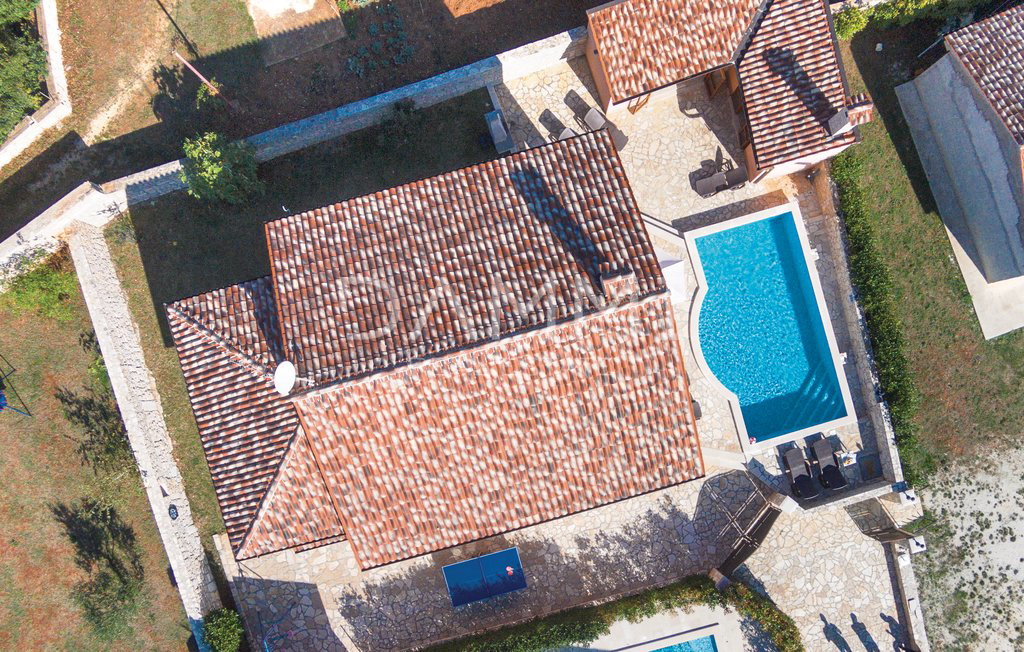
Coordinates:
22 65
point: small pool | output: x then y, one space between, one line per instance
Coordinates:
705 644
762 326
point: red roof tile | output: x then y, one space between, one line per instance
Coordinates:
992 51
647 44
507 435
546 413
792 83
436 253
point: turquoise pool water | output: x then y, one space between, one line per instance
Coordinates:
761 331
706 644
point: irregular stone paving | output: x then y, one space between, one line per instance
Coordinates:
831 579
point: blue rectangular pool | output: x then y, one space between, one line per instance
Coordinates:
761 328
705 644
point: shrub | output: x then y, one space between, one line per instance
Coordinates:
399 128
217 169
44 288
22 69
902 12
849 21
206 100
13 11
581 626
876 296
223 630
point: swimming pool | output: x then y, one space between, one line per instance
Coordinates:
762 328
705 644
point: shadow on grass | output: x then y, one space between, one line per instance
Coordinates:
188 246
883 71
104 444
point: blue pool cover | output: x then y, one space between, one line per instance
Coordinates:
761 330
484 577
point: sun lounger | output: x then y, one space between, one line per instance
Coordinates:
708 186
799 472
567 133
736 177
829 471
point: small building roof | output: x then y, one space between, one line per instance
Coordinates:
647 44
992 51
792 82
461 416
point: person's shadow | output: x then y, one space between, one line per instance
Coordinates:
861 630
834 636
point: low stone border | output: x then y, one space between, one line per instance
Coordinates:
58 107
137 398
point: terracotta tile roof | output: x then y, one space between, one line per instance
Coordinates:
503 436
647 44
226 341
792 83
992 51
473 430
443 248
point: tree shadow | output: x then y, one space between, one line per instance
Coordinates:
106 549
104 444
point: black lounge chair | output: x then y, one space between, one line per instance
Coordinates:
799 471
830 473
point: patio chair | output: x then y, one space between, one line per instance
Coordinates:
798 470
595 119
830 473
709 186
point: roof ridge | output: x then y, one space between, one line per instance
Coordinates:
271 486
244 360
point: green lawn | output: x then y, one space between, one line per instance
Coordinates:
179 246
971 389
51 538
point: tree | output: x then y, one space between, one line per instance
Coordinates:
217 169
849 21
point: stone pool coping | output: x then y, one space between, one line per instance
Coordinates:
751 448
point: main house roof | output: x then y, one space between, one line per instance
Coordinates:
784 52
459 417
992 51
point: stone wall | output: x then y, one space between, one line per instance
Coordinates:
58 106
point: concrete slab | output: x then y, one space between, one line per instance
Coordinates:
288 28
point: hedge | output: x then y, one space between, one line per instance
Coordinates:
583 625
849 21
22 65
876 295
902 12
223 631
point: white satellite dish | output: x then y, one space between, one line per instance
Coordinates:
284 378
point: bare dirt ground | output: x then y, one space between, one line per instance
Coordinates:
972 576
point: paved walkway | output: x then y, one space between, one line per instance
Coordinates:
139 403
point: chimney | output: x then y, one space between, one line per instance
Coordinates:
617 283
860 109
